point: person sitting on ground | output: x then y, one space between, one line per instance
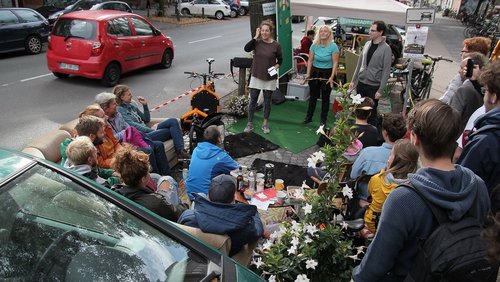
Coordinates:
406 218
211 215
134 168
156 149
474 44
369 133
83 158
165 130
469 96
479 152
208 160
373 159
402 161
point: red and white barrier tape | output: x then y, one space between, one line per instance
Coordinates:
184 94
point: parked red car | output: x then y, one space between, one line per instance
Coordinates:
104 44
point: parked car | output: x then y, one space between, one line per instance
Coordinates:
59 226
235 8
91 5
52 6
243 7
22 29
211 8
104 44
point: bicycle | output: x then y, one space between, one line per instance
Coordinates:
421 81
205 106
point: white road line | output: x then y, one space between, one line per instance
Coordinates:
35 77
210 38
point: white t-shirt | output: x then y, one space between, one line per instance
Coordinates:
470 124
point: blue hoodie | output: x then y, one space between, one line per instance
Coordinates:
241 222
207 161
482 152
405 218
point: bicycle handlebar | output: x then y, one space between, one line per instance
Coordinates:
437 59
211 75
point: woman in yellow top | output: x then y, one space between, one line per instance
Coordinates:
403 160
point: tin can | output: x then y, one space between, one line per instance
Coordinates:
268 175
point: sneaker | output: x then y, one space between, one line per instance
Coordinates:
249 128
266 129
183 155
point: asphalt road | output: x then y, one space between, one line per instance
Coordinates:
33 101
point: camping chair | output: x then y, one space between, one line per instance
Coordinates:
300 62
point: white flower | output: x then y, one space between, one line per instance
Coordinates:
295 225
302 278
360 250
307 240
321 129
310 263
292 250
304 185
347 192
311 229
307 209
272 278
311 162
258 263
343 225
295 241
354 257
320 156
267 245
357 99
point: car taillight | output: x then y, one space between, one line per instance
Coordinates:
97 48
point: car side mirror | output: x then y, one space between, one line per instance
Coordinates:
156 32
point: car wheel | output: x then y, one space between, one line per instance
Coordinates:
166 59
185 12
219 15
33 44
60 75
111 75
243 11
233 14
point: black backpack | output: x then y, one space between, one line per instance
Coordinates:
454 251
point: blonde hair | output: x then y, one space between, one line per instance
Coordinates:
91 110
329 40
405 159
119 90
132 165
80 150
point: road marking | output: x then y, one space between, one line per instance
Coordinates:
210 38
35 77
26 79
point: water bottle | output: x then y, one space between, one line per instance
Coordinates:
184 170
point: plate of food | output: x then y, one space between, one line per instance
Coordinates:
295 193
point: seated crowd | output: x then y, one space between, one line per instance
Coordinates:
114 146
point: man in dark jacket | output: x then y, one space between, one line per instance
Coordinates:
482 152
405 216
220 215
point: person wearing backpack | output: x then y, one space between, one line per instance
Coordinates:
406 215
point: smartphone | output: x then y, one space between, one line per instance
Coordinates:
470 68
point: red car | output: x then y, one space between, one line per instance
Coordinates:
104 44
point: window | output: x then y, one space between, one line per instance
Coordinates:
7 17
119 27
28 16
50 227
214 2
83 29
141 27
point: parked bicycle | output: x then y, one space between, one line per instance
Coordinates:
421 81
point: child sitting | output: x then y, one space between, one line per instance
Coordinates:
402 161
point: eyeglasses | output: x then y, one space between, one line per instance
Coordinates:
464 51
373 30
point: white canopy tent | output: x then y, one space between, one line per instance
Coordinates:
389 11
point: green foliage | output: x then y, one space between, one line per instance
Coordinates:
314 246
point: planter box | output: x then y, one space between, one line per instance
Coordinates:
298 90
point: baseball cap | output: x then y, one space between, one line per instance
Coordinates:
222 189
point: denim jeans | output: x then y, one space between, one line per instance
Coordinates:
157 157
254 95
171 196
166 130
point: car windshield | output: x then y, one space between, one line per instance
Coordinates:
67 27
53 229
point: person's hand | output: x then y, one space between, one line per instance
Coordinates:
330 81
377 95
475 73
257 33
142 100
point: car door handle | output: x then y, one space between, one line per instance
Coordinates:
116 44
143 43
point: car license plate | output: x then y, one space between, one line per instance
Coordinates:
65 66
